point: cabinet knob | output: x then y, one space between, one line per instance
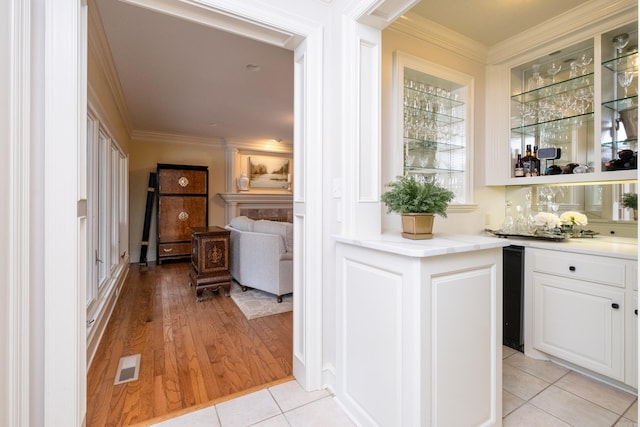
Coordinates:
183 216
572 268
615 305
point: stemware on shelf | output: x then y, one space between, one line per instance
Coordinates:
624 79
554 68
620 42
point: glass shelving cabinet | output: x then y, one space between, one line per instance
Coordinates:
433 112
619 137
552 107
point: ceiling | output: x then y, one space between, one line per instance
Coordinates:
185 79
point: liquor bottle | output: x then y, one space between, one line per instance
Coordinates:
536 169
518 169
528 162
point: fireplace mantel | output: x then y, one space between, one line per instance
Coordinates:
238 202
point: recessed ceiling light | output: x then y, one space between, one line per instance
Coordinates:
253 67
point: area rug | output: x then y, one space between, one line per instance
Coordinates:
255 303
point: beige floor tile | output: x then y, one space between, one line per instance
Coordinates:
247 410
530 416
508 351
573 409
520 383
543 369
632 412
291 395
608 397
206 417
510 403
277 421
321 413
624 422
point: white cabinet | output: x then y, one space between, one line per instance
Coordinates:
417 335
583 311
571 96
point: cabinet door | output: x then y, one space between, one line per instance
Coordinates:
182 181
580 322
177 214
631 354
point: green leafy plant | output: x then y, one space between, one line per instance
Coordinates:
410 195
630 200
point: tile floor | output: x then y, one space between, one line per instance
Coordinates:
535 393
539 393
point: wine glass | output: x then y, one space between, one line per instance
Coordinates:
583 62
624 79
554 68
620 42
536 81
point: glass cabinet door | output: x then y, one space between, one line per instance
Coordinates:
434 116
619 136
552 108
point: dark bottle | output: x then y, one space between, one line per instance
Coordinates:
536 169
528 162
518 169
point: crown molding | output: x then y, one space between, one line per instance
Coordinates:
436 34
99 45
141 135
570 27
262 146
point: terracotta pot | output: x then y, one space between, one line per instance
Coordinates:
417 226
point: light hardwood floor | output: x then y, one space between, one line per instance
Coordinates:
191 353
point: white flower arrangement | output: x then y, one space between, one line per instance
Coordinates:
573 218
547 220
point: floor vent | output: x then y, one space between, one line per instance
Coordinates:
128 369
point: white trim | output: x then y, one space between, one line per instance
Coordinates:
573 26
64 384
440 36
19 236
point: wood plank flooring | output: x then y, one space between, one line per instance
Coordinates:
191 353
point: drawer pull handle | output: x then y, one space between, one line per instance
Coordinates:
183 216
167 249
615 305
572 268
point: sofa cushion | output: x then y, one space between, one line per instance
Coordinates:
284 229
242 223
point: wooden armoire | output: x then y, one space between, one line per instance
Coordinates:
182 204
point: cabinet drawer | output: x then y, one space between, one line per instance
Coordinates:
182 181
174 249
592 268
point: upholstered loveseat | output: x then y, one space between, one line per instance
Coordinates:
262 255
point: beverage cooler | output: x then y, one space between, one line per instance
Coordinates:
513 297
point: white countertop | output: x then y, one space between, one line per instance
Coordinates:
441 244
618 247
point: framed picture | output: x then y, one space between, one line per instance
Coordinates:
269 172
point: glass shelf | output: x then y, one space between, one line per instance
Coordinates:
628 62
622 103
624 144
565 123
440 118
431 171
421 144
433 95
569 85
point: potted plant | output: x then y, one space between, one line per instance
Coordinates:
630 200
417 200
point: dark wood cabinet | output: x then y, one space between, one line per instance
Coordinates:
182 204
210 260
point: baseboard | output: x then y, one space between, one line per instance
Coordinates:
103 314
